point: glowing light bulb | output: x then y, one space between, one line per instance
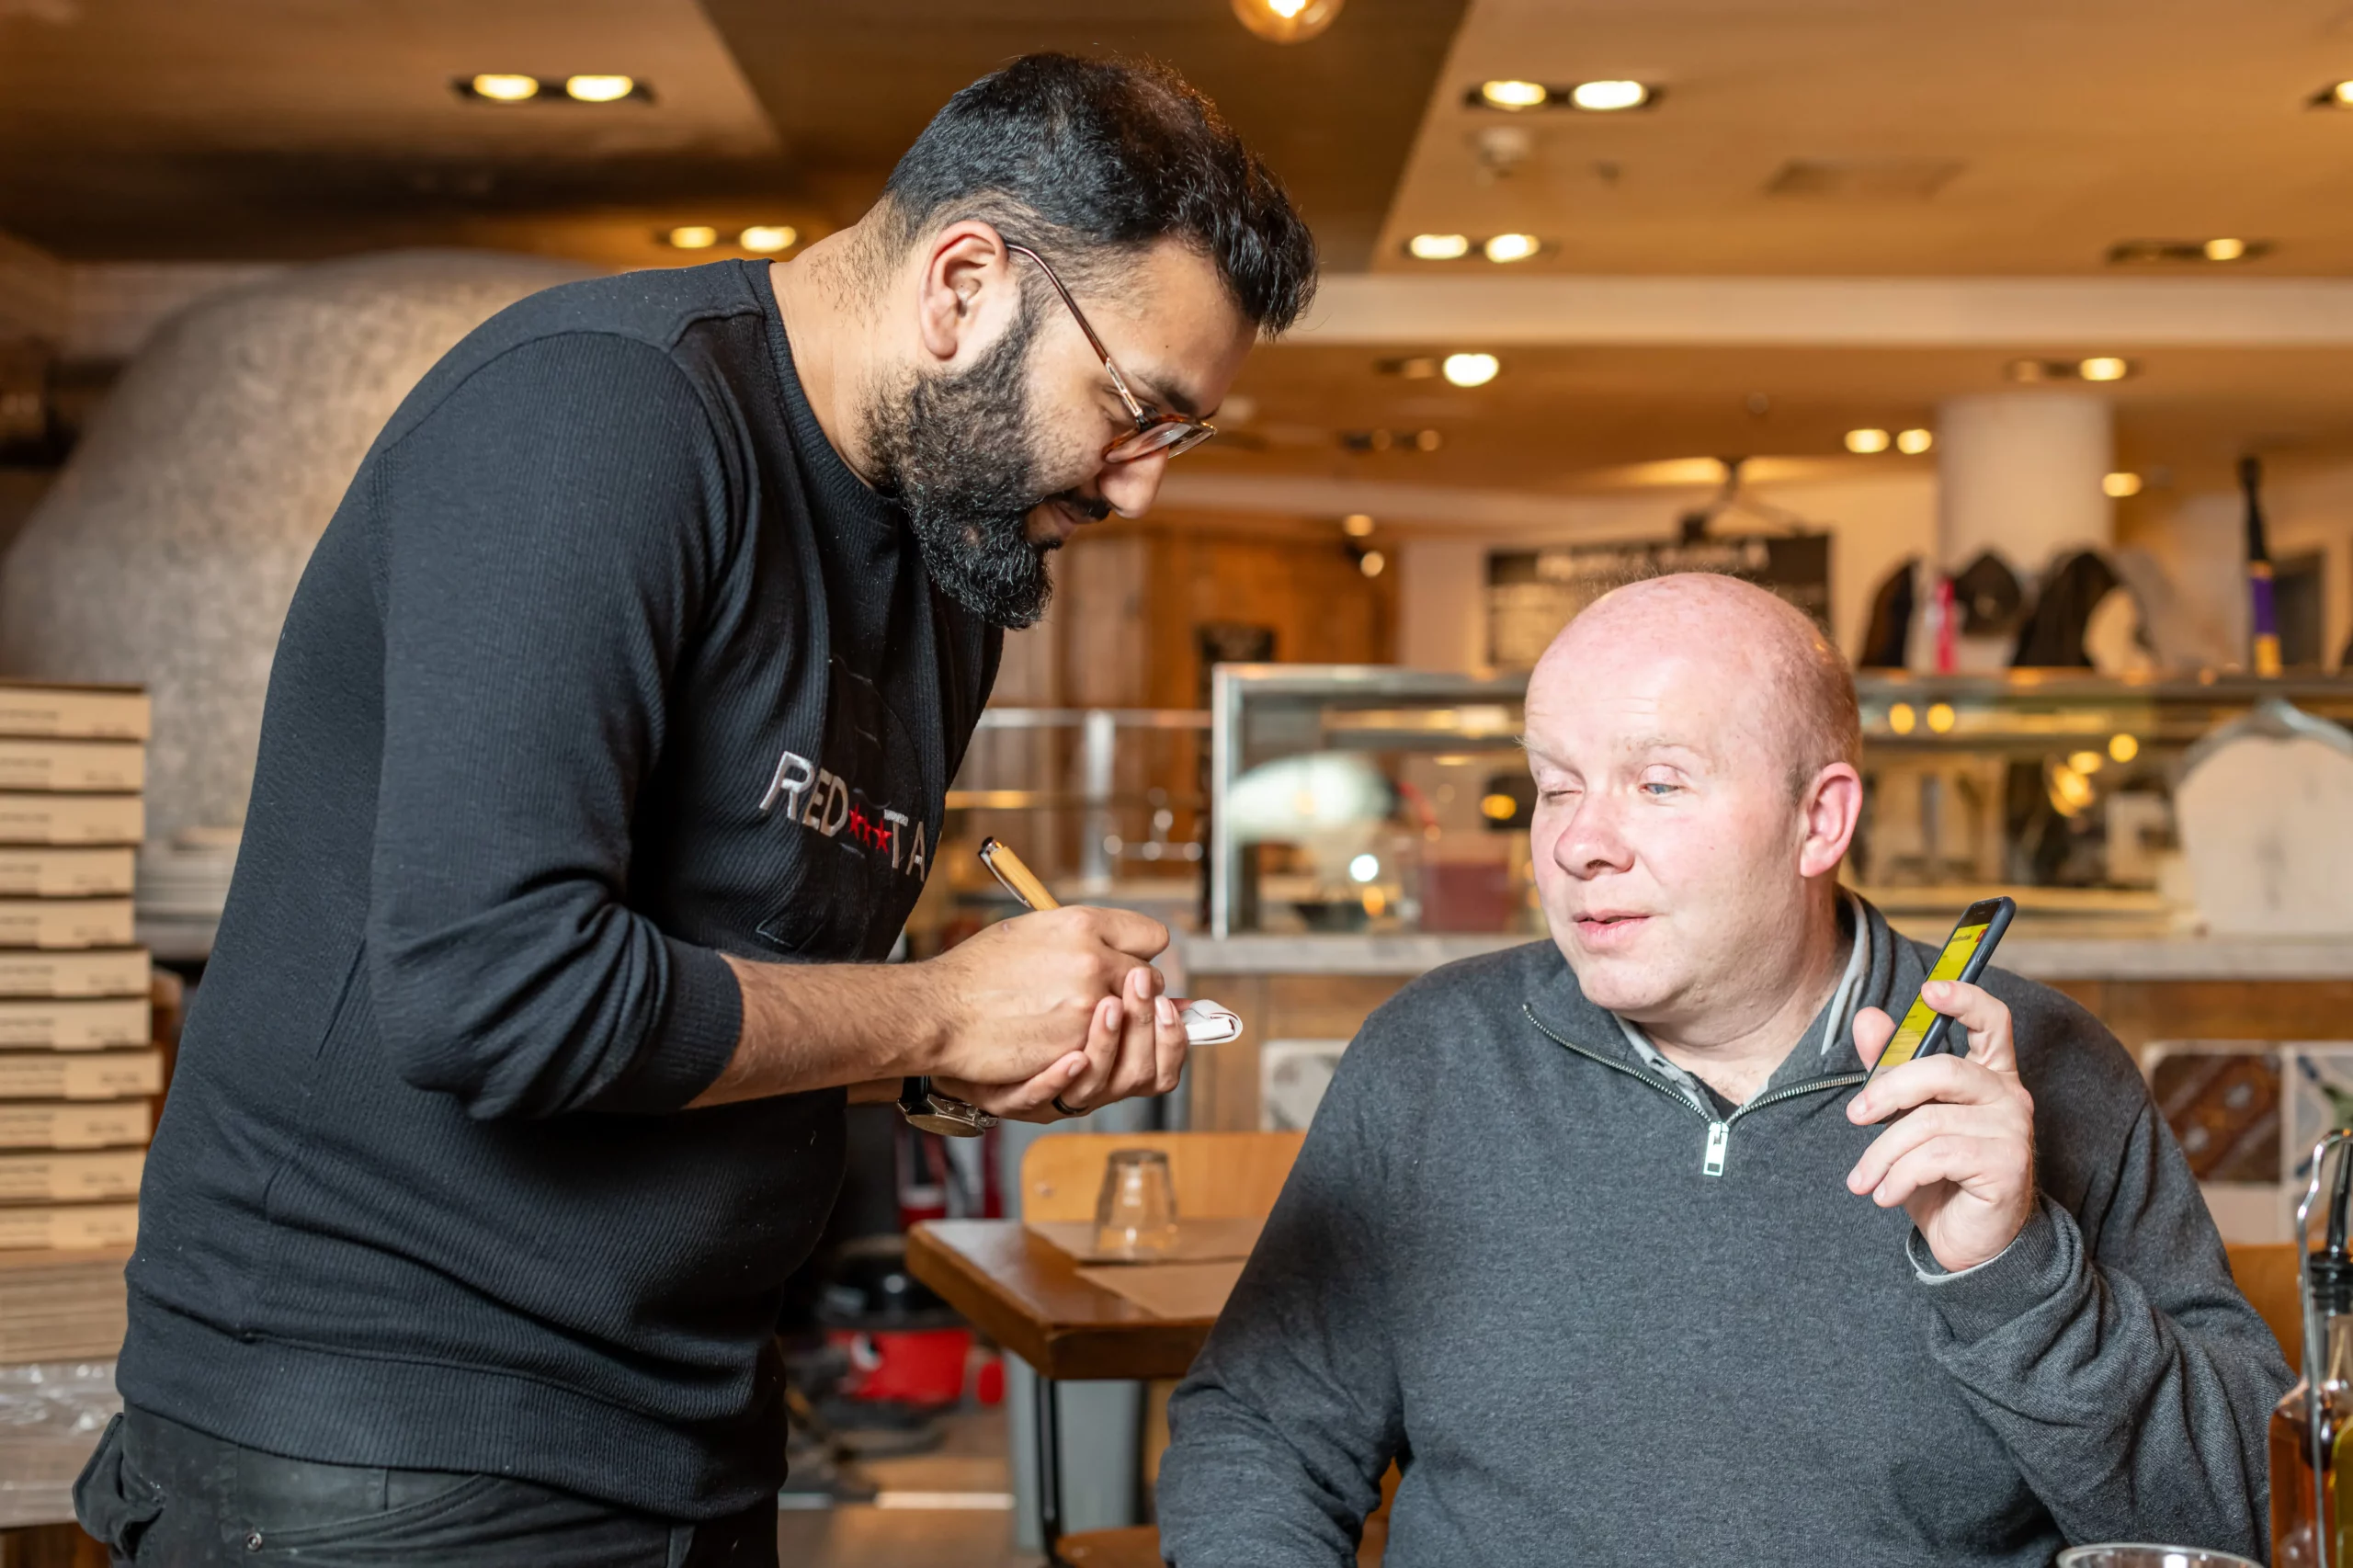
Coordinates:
2104 367
1912 443
1901 718
2123 748
1373 564
1512 247
1470 369
2225 250
1439 247
2121 484
1941 718
1866 441
768 237
693 236
1601 98
1513 94
598 89
505 87
1356 525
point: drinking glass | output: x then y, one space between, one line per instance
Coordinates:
2120 1555
1136 1212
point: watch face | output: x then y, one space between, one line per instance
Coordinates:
958 1121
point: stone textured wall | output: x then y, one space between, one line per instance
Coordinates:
168 549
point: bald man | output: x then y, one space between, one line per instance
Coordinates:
1597 1241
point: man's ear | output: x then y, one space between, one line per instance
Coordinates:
967 292
1832 806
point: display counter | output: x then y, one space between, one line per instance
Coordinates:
1294 988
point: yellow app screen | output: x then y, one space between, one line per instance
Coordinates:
1906 1043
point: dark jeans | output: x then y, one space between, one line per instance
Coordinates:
165 1495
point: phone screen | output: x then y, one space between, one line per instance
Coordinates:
1908 1036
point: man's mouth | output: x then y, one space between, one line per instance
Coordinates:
1070 511
1600 927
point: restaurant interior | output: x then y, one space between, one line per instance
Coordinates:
2012 343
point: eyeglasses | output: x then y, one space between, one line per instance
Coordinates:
1156 432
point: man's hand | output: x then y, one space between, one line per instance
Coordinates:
1960 1160
1064 1002
1077 978
1135 1045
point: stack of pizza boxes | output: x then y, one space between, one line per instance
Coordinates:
79 1068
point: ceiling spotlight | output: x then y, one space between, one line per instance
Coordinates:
1470 369
691 236
2119 486
1428 441
1439 247
768 237
2336 94
1912 443
504 86
598 89
2104 367
1514 95
1866 441
1287 21
1512 247
1356 525
1602 97
1371 562
2224 250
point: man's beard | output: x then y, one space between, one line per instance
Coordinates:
955 452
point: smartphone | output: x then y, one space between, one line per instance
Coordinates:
1924 1031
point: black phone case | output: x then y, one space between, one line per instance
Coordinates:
1939 1038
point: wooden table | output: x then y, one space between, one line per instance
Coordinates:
1026 1293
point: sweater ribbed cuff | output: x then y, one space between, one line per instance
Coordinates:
702 1019
2033 1268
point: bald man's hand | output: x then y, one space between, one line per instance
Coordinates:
1960 1157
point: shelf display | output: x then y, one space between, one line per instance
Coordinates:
1375 799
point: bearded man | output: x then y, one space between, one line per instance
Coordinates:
605 750
1599 1241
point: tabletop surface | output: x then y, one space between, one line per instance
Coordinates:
1026 1294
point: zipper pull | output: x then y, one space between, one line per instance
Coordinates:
1719 1134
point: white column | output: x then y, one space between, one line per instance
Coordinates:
2019 474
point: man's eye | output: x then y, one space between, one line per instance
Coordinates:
1658 788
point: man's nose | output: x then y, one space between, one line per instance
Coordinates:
1592 842
1130 487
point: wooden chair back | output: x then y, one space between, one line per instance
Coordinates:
1217 1176
2266 1273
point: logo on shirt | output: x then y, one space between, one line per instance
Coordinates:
823 801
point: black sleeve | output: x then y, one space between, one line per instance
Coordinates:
546 535
1281 1433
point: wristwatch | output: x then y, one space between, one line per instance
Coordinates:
928 1110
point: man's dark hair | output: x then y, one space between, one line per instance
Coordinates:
1078 157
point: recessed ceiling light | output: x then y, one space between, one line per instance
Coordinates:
504 86
598 89
768 237
1470 369
1512 247
2336 94
692 236
1912 443
2104 367
1287 21
1428 440
1356 525
2120 486
1439 247
2342 92
2193 253
1866 441
1514 95
1371 562
1601 98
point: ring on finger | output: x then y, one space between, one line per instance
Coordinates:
1067 1108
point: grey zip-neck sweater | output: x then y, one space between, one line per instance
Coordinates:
1597 1323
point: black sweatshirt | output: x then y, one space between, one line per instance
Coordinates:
606 664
